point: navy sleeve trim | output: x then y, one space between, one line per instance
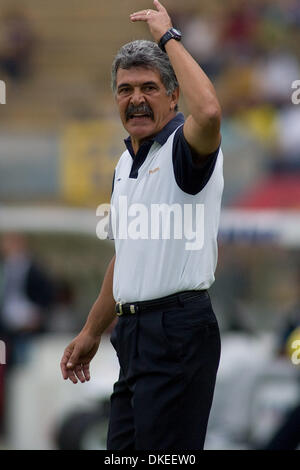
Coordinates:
110 235
190 177
110 231
113 183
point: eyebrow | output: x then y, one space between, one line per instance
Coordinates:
143 84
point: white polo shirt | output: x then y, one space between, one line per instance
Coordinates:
164 217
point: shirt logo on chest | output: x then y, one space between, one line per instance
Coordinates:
154 170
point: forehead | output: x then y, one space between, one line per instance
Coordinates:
137 75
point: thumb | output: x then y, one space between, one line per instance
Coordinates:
73 358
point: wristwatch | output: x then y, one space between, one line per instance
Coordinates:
172 33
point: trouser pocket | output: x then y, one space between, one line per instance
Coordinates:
186 329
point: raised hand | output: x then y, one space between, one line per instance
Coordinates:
158 20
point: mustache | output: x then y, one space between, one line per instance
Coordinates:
141 109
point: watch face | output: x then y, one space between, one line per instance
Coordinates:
176 32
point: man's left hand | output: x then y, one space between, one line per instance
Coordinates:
158 20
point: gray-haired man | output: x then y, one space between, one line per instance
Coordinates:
167 337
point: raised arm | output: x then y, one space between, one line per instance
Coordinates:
202 126
75 363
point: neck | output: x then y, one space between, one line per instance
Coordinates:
136 143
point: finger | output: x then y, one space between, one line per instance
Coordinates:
63 363
72 376
64 369
159 6
139 16
79 373
86 371
137 13
141 12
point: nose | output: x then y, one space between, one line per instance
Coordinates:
137 97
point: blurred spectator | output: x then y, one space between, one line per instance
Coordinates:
26 294
290 323
61 319
274 74
17 42
201 38
286 157
2 404
240 26
287 436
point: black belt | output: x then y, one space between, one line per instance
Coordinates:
170 301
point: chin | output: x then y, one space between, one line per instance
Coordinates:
140 131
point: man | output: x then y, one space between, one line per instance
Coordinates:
26 297
167 337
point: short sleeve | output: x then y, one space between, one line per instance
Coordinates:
191 178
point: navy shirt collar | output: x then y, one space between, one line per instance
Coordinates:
161 137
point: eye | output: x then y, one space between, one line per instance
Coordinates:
149 88
124 90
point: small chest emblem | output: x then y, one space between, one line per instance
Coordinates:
154 170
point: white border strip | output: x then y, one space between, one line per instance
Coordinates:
280 227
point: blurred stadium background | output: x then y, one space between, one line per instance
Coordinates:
60 140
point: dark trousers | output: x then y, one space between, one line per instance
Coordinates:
168 364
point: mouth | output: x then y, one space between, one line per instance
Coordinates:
139 114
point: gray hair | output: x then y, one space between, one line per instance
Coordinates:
142 53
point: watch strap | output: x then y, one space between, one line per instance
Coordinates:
166 37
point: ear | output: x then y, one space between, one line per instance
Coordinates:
174 98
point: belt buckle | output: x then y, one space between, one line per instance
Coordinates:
120 309
132 308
